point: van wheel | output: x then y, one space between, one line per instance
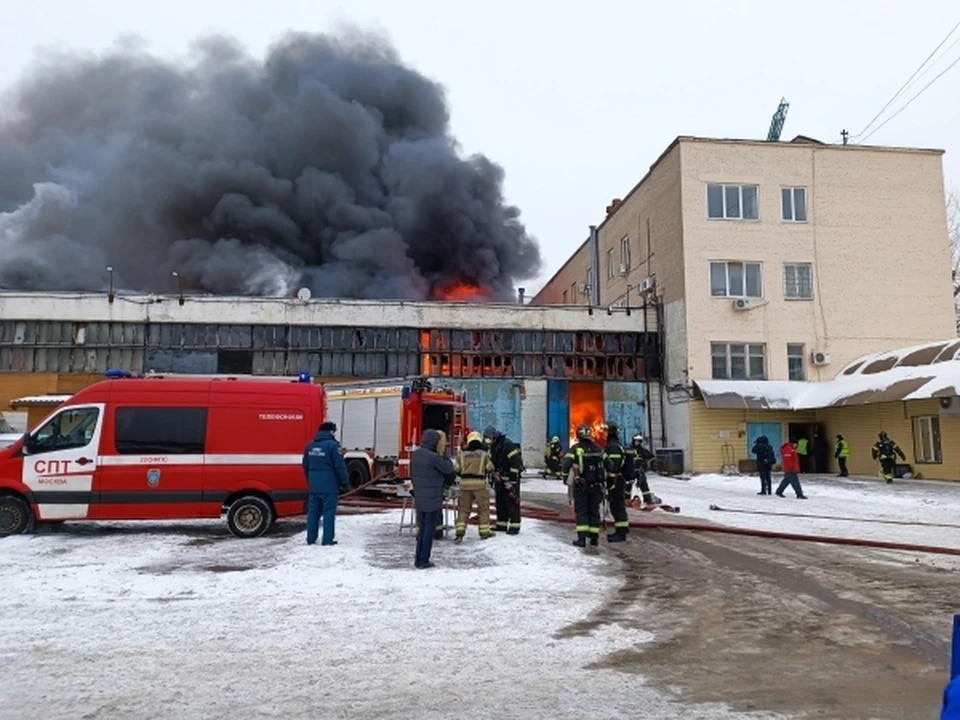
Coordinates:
16 517
358 471
249 517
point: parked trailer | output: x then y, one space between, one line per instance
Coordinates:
380 423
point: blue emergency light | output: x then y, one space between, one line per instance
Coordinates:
405 392
117 374
304 377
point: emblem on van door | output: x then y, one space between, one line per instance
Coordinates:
153 477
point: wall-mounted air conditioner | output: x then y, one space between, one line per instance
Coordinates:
742 304
820 357
950 405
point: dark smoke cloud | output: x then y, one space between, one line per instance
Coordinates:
328 164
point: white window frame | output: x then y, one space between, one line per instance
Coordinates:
789 287
793 189
927 438
749 352
726 266
611 265
740 187
625 251
793 353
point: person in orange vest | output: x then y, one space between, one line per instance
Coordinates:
790 461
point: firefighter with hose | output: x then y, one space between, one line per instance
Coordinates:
614 457
885 452
508 467
585 460
638 459
553 457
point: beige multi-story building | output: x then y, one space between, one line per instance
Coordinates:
781 261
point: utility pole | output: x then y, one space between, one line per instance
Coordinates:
844 134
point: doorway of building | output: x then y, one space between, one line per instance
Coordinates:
817 459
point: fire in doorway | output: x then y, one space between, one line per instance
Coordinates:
586 408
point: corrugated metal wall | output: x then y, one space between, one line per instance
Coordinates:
558 411
493 402
625 403
533 414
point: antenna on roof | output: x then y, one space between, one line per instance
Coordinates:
779 118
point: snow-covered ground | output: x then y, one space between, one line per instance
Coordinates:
863 500
180 620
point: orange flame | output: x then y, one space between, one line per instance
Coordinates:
459 292
586 408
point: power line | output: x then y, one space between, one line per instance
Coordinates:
907 83
907 104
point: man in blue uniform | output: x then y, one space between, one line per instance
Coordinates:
326 477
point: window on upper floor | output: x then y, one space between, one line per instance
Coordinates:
574 297
738 361
611 264
735 279
564 297
625 251
795 369
733 202
793 204
798 281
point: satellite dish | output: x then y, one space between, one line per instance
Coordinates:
303 294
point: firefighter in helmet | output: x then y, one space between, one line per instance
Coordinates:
552 457
613 466
473 466
507 469
885 452
585 459
639 457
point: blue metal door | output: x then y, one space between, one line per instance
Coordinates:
558 412
625 403
773 432
493 402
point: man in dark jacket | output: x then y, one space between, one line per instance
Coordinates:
613 465
585 459
766 458
636 462
430 473
326 476
885 452
508 467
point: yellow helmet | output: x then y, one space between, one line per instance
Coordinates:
474 437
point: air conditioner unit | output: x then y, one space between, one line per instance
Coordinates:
742 304
583 288
622 269
820 357
646 285
950 405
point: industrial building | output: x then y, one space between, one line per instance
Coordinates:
773 261
534 372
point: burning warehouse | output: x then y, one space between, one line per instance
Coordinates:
533 371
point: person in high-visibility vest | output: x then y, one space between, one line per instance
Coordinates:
803 453
841 453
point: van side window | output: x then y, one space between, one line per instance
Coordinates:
160 431
68 430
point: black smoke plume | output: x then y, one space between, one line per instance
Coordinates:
329 164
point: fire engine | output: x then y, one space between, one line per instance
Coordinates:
380 424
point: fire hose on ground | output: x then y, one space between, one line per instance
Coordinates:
535 513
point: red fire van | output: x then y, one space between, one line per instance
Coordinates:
134 448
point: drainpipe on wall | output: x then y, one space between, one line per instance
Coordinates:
595 267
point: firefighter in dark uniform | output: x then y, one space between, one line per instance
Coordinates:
586 460
508 467
885 451
552 457
614 464
639 457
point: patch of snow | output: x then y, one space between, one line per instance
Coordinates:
135 620
920 505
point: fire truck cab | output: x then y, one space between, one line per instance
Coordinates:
381 423
166 447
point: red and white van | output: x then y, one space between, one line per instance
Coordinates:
166 448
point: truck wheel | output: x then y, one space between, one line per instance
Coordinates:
249 517
359 472
15 516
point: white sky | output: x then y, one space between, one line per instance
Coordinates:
576 103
